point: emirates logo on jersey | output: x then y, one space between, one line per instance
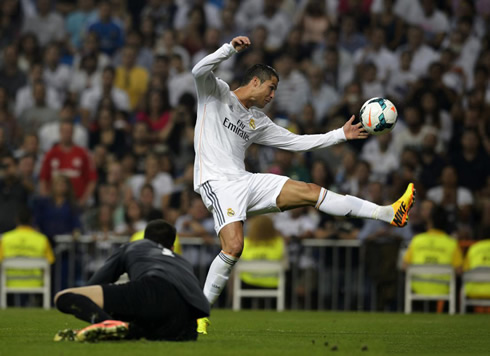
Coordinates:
230 212
252 124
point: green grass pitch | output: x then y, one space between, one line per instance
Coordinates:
30 332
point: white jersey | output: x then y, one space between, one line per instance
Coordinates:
225 128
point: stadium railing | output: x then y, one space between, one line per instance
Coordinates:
323 274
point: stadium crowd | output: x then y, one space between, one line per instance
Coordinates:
97 108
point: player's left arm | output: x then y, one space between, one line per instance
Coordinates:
279 137
112 269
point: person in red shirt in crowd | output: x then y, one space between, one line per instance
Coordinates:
66 158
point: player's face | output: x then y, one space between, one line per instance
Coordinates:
266 92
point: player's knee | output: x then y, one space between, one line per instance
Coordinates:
234 248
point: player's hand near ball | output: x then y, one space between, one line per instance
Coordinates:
354 131
240 43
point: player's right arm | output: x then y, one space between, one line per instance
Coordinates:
206 82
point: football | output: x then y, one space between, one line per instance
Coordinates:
378 116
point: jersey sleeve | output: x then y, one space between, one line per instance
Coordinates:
207 84
276 136
112 269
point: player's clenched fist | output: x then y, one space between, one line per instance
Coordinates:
240 43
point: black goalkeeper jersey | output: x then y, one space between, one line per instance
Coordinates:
145 258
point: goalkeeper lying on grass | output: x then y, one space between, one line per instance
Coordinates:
161 302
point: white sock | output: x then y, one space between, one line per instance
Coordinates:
347 205
218 275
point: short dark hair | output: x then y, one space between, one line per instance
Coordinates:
261 71
439 219
24 216
161 232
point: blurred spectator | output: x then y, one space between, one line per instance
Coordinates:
314 23
11 16
434 22
76 22
131 78
471 163
146 199
380 154
210 14
197 222
161 181
292 94
370 81
11 76
148 33
86 76
110 195
456 200
110 33
56 74
46 24
391 24
289 163
432 162
422 54
436 117
180 82
91 98
262 243
167 45
57 213
49 134
24 241
191 36
402 79
434 246
275 20
376 52
321 95
91 46
156 114
13 194
413 134
106 134
139 145
32 118
120 14
230 28
70 160
161 12
144 54
351 39
478 255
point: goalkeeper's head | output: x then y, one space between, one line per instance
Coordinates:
161 232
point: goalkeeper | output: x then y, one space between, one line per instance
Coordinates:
161 301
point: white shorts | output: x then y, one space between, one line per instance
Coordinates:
234 200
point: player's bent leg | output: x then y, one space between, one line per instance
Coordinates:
295 194
94 293
70 301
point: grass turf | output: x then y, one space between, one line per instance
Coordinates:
30 332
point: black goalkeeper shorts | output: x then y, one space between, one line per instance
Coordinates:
154 308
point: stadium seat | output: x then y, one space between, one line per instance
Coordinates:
259 266
420 270
25 263
480 274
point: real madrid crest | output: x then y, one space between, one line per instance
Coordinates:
230 212
252 124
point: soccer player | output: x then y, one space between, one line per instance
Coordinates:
161 301
227 124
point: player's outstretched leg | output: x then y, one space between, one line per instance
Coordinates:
347 205
106 330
